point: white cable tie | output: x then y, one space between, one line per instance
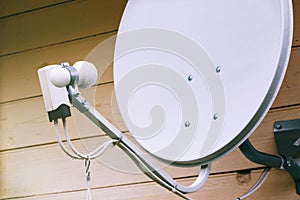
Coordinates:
119 140
174 189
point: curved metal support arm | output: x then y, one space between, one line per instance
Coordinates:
147 166
199 182
274 161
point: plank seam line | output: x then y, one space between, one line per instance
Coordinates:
284 106
111 82
40 95
53 143
296 46
73 40
35 9
49 143
21 99
59 43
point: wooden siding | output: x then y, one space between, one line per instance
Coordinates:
34 33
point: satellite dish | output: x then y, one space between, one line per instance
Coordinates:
193 79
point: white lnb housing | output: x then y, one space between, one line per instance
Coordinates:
53 96
88 74
60 77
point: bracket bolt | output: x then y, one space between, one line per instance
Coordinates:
218 69
190 78
278 126
289 163
216 116
187 124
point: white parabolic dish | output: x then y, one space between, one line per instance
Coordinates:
194 78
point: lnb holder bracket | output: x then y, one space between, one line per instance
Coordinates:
287 137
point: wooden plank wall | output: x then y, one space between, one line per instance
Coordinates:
34 33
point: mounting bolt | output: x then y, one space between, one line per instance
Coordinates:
190 78
218 69
278 126
187 124
216 116
289 163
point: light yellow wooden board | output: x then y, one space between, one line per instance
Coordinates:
57 24
47 169
217 187
18 73
12 7
23 70
22 170
25 122
24 65
228 186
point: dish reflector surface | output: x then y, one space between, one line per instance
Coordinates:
193 79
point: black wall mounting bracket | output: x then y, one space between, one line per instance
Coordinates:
287 137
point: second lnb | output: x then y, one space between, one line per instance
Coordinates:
87 75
